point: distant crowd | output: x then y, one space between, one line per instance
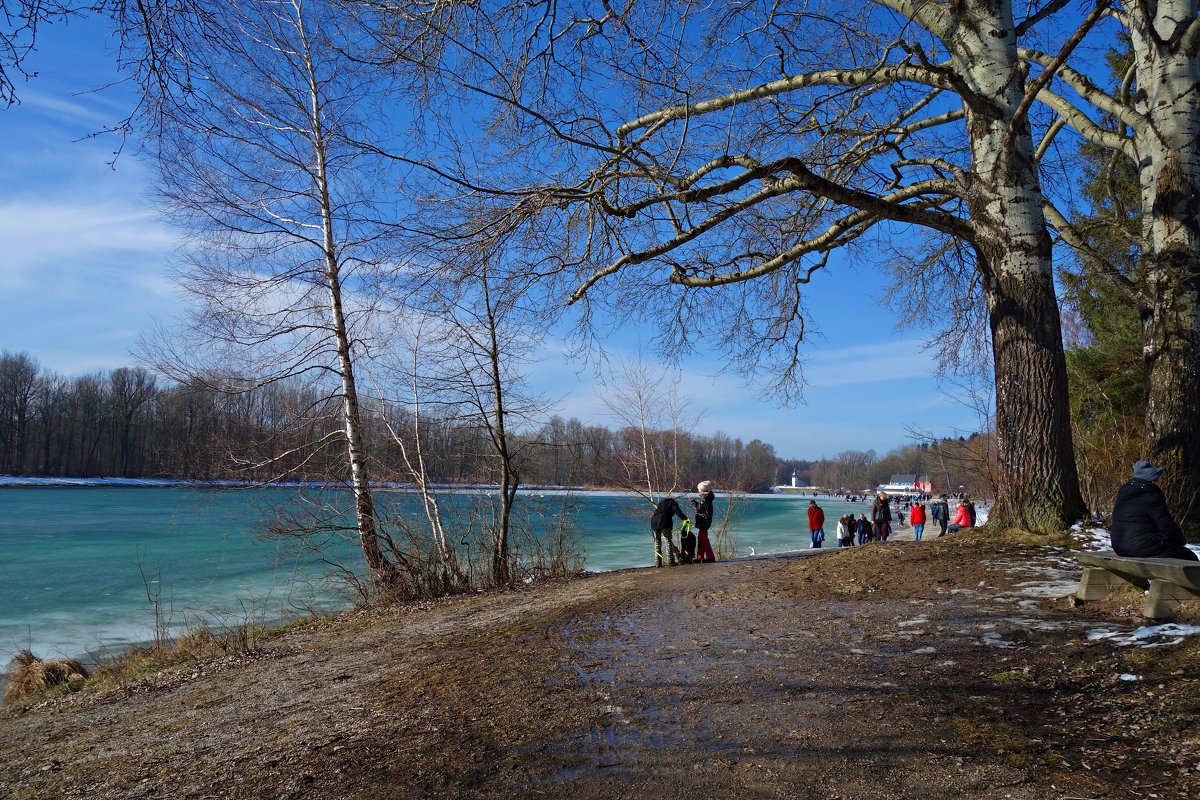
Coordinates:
1142 525
878 526
694 544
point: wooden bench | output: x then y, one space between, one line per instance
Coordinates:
1170 581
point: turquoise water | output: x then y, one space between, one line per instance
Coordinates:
76 564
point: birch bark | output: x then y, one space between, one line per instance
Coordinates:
1165 39
382 569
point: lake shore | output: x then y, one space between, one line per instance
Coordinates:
951 669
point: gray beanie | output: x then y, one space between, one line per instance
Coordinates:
1146 471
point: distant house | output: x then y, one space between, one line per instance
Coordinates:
907 484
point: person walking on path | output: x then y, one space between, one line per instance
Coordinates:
917 518
661 523
863 527
704 515
1142 525
962 518
941 514
881 517
816 523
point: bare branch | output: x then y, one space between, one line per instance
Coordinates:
865 76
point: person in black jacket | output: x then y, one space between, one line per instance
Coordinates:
881 517
704 517
941 513
1142 526
661 523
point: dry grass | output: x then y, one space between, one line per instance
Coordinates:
29 675
200 643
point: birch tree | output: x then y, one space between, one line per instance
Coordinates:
256 120
1151 122
729 154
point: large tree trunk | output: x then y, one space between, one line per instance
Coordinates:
1037 483
1168 68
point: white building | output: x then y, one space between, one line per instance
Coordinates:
907 484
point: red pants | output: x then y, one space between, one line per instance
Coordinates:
703 548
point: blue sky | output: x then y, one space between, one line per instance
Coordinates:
86 263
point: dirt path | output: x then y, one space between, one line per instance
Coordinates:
889 671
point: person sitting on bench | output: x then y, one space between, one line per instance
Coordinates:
1142 526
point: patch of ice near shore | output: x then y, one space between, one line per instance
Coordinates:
1146 636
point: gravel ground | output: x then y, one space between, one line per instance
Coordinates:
949 668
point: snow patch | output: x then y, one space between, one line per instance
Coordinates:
994 640
1145 636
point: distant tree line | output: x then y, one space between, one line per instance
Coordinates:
950 463
128 422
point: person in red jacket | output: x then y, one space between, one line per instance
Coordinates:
917 518
816 523
962 518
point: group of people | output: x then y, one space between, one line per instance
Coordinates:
1142 525
694 545
878 527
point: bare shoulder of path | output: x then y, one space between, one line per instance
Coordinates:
945 669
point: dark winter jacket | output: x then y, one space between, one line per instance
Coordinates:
704 511
665 513
1142 525
881 511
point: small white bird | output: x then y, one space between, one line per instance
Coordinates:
751 551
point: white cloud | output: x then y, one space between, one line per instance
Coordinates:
68 109
892 360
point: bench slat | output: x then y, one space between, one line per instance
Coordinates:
1175 570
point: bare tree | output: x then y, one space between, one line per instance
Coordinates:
131 390
18 387
405 425
485 333
256 118
654 424
702 156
